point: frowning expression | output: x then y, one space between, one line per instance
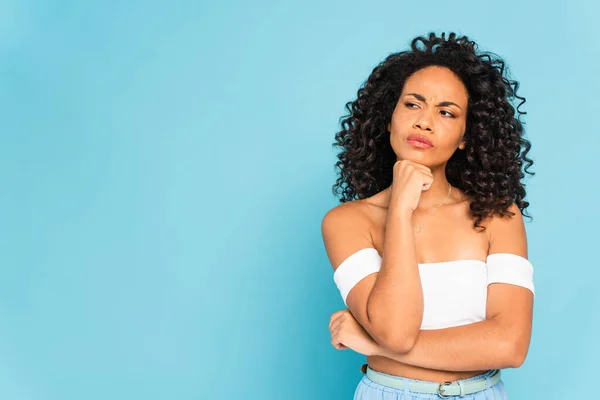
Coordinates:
429 120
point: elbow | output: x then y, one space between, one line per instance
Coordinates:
517 359
517 353
402 346
398 342
394 336
394 339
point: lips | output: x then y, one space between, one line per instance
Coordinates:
421 139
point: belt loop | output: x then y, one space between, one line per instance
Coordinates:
406 390
488 381
462 388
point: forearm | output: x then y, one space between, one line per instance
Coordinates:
396 299
478 346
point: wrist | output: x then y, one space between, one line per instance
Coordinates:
401 212
380 351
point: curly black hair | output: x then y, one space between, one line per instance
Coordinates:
488 170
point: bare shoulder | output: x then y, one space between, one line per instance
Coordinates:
508 221
346 229
507 233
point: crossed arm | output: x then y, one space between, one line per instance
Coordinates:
500 341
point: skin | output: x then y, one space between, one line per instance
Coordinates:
502 340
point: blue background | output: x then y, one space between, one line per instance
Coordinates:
165 166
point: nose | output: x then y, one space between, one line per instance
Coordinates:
423 122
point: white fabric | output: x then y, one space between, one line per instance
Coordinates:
454 292
510 268
356 267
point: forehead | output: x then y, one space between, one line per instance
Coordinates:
437 83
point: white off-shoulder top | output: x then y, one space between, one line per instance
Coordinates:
454 292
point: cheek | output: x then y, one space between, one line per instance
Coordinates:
450 129
400 121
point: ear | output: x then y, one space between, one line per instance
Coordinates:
389 127
462 144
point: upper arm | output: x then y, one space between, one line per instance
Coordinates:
510 303
345 231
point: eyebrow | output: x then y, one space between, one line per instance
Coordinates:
440 104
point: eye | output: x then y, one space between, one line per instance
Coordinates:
448 114
410 105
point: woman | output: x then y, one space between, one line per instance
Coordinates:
429 247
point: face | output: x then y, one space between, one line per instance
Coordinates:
432 107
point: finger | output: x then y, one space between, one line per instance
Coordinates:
335 325
424 168
426 175
336 340
341 318
335 315
427 182
331 323
334 332
337 335
422 174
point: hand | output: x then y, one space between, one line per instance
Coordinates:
409 181
347 333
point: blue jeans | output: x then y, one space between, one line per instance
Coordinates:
369 390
